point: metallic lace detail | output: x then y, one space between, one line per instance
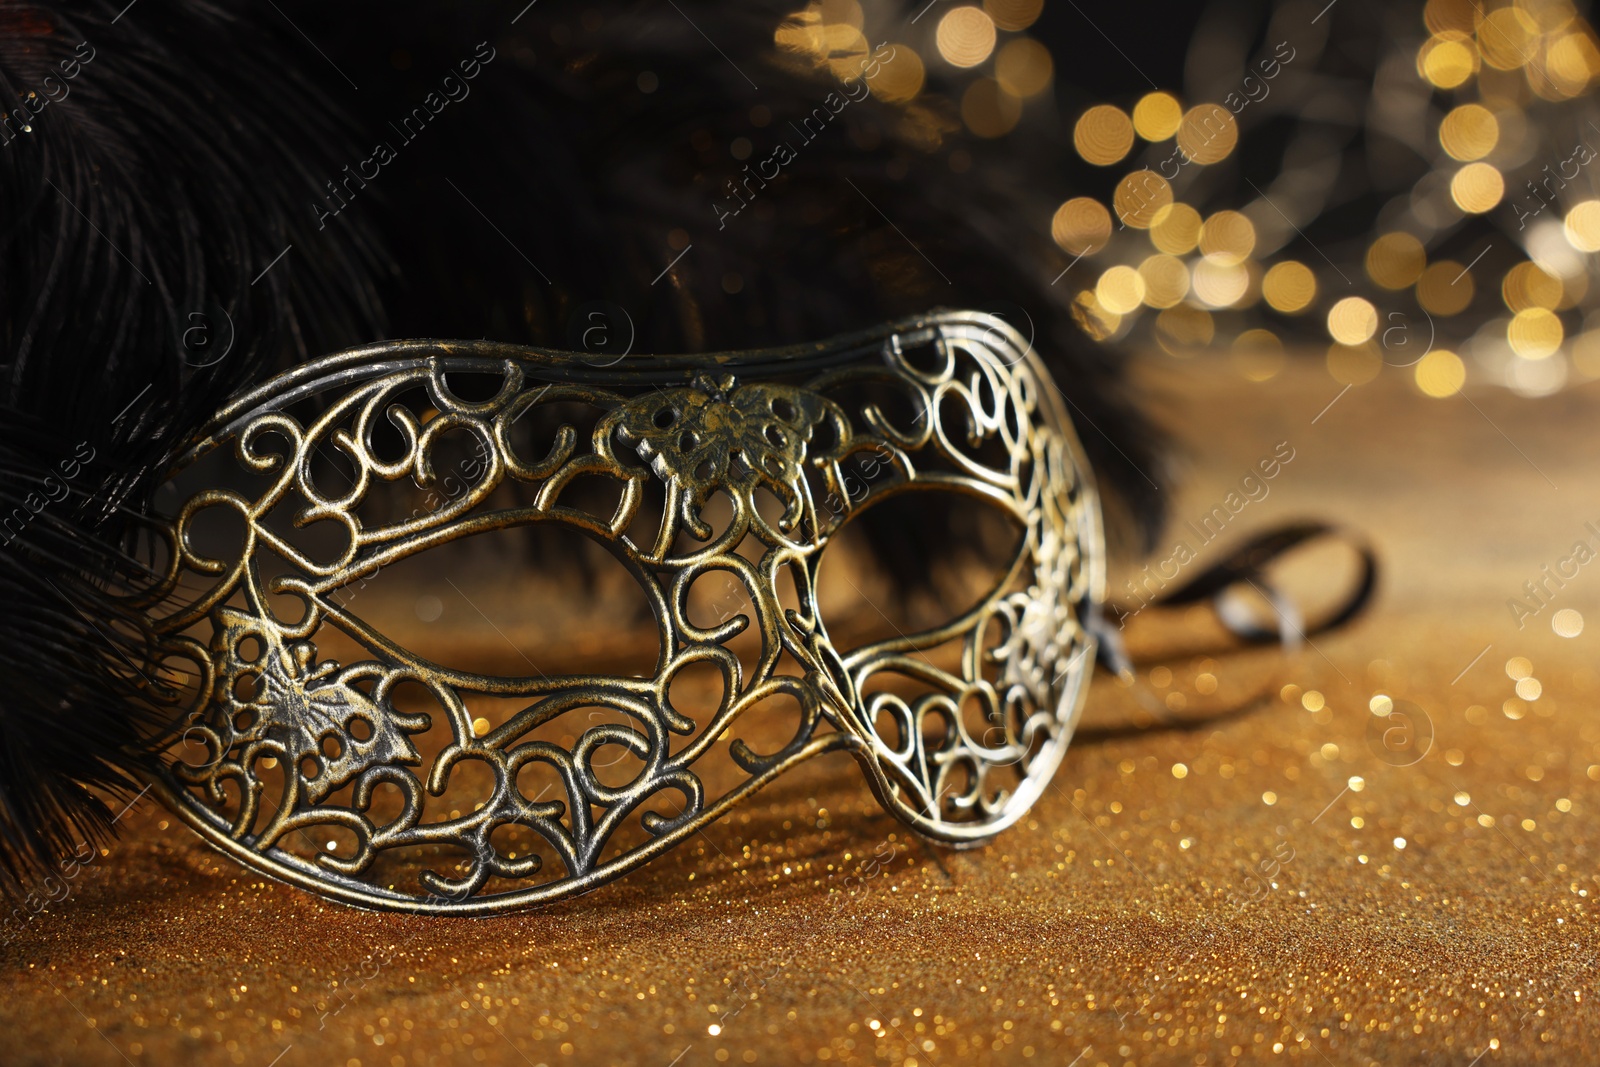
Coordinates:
988 425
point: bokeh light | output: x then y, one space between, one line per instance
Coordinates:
1096 321
1551 16
1166 280
1103 135
1526 286
965 36
1572 63
1583 226
1214 263
1014 15
1157 116
1120 290
1023 67
1228 237
1220 282
841 13
1081 225
1352 321
1440 373
1208 134
1139 197
1568 622
1289 287
1175 229
802 33
902 79
1573 289
1396 260
844 49
1469 132
1447 59
1536 333
1477 187
1507 38
1460 16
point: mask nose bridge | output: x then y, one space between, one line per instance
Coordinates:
807 640
827 674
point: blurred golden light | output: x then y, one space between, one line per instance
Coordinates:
1175 229
1477 187
1447 59
1469 132
902 79
1549 15
1573 62
1568 622
1252 292
1352 321
988 110
1220 283
1024 67
1535 333
1103 135
1445 288
1442 16
1507 38
1573 289
1395 260
1228 237
1544 86
965 36
1139 196
1535 377
1081 225
1354 364
1258 355
829 33
845 12
802 32
844 48
1289 287
1166 280
1013 15
1586 354
1526 286
1583 226
1182 329
1440 373
1096 321
1157 116
1120 290
1550 248
1208 133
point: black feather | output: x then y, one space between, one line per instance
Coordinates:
147 178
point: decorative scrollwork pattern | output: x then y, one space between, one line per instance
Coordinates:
290 740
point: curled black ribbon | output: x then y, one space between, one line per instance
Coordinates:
1248 564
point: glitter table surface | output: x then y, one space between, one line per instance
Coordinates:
1309 881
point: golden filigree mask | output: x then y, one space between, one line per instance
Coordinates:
286 750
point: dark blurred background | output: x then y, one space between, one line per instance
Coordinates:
1368 184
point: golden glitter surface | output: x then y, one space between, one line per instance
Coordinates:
1390 859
